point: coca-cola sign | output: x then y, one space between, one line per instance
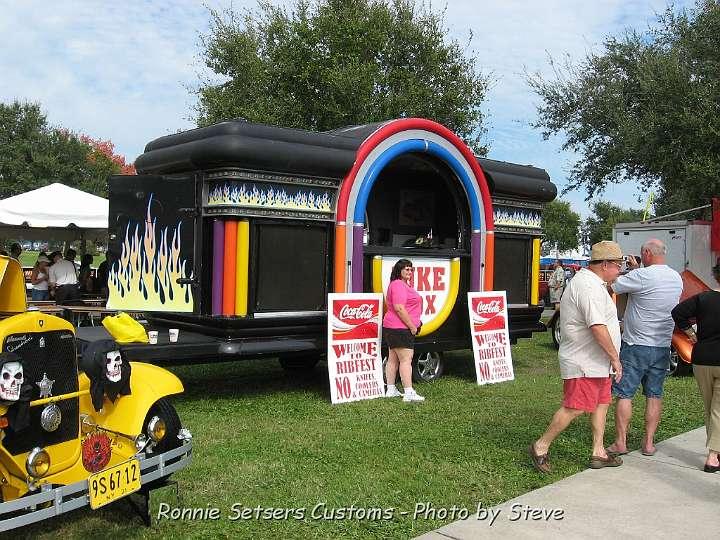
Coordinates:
357 313
489 306
355 319
487 313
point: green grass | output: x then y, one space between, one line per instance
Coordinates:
29 258
265 438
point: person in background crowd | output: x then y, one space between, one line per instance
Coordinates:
63 277
588 351
400 326
85 274
103 272
39 278
647 330
15 250
556 283
705 308
4 253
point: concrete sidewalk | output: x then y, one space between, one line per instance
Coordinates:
667 495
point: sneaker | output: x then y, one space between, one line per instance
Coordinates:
412 397
393 392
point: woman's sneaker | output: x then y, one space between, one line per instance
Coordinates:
392 391
412 396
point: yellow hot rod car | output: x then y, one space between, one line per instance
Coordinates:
76 433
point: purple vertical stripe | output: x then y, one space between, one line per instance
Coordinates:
217 265
475 261
357 259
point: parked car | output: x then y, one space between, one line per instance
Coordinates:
76 435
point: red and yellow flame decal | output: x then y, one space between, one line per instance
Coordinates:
145 276
443 313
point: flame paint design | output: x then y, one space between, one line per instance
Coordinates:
513 217
271 196
145 277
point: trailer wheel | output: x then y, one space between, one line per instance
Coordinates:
554 327
427 366
299 363
678 367
164 410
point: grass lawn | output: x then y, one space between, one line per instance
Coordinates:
269 439
29 258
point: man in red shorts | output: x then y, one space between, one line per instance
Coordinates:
588 349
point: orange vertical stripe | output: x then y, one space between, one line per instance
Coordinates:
229 264
489 278
339 260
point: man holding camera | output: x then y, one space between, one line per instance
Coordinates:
653 291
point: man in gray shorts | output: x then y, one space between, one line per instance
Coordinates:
653 291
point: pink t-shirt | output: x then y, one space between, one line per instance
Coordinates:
400 292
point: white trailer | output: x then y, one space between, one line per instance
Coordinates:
687 241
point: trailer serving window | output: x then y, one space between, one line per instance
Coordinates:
416 203
513 255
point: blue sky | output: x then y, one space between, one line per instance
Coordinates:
123 70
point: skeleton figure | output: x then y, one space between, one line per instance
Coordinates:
113 366
11 380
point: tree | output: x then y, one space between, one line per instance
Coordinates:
646 108
561 226
331 63
34 154
600 225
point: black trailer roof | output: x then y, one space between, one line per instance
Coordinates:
238 143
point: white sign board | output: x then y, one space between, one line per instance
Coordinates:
354 357
490 337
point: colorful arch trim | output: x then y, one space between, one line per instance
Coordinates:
388 142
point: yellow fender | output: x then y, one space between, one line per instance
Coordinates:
148 383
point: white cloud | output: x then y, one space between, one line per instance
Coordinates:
120 70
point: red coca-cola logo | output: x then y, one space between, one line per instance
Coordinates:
356 311
487 307
361 312
355 319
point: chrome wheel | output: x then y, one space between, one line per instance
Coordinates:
427 366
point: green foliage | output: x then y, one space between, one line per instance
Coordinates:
647 108
330 63
33 154
561 227
599 226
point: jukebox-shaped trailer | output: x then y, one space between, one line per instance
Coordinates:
241 230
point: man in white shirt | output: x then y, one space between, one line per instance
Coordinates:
62 277
653 291
588 350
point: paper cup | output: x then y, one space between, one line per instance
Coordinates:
174 333
152 335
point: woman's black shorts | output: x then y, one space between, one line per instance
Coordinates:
398 338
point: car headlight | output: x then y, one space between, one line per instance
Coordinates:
38 462
156 429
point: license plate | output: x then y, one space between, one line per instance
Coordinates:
114 483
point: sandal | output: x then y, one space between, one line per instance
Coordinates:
597 462
541 462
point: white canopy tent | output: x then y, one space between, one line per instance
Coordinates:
55 211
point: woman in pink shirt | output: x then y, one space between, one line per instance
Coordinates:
400 326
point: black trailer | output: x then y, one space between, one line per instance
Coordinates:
235 233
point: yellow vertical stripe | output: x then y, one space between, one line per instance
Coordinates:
535 273
241 269
377 274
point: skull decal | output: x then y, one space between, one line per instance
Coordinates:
11 380
113 366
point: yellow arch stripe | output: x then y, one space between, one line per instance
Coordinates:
444 313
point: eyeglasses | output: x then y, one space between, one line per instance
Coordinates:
619 266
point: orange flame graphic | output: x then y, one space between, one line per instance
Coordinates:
145 276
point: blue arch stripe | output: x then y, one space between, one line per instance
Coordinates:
416 145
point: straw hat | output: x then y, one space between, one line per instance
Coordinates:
606 251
